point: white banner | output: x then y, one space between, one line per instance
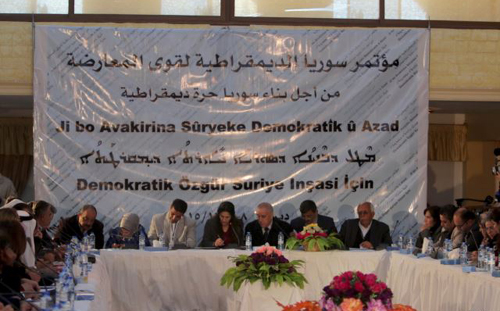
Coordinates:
130 119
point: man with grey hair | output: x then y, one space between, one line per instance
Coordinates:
365 232
267 227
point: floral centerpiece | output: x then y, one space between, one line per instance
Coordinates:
356 291
266 264
313 238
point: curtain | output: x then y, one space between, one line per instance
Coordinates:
447 143
16 150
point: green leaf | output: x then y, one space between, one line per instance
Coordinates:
279 278
237 282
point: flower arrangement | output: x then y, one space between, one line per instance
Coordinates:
313 238
266 264
356 291
307 305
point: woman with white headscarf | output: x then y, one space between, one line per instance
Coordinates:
127 235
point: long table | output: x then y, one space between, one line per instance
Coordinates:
189 280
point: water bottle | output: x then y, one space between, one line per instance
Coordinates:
281 241
481 258
491 260
142 241
430 247
410 246
446 248
248 241
45 301
463 254
162 240
92 240
401 242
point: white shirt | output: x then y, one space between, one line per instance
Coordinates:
364 230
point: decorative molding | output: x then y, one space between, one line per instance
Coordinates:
465 95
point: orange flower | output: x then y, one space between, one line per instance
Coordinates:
302 306
351 304
398 307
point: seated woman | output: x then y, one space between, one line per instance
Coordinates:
431 227
12 245
223 229
488 229
127 235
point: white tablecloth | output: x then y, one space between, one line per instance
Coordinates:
189 280
427 285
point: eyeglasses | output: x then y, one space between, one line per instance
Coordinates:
363 213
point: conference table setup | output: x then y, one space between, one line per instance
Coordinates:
190 280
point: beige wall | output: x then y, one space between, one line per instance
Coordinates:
477 170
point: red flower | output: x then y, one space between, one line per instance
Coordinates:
358 286
370 279
361 276
323 234
378 287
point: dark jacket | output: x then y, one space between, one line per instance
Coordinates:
434 233
473 238
213 230
127 243
258 236
69 228
326 223
378 235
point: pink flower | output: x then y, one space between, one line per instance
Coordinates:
328 305
351 304
269 250
376 305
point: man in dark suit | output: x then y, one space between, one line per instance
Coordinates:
466 221
310 215
267 227
365 232
84 222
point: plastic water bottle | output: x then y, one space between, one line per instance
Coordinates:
45 301
491 260
142 241
248 241
162 240
401 242
92 240
430 247
481 258
463 254
410 246
446 248
281 241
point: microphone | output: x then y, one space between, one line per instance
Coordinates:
236 235
275 221
16 294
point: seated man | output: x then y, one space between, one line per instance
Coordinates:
44 213
448 229
310 215
267 227
365 232
127 235
176 230
465 220
84 222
